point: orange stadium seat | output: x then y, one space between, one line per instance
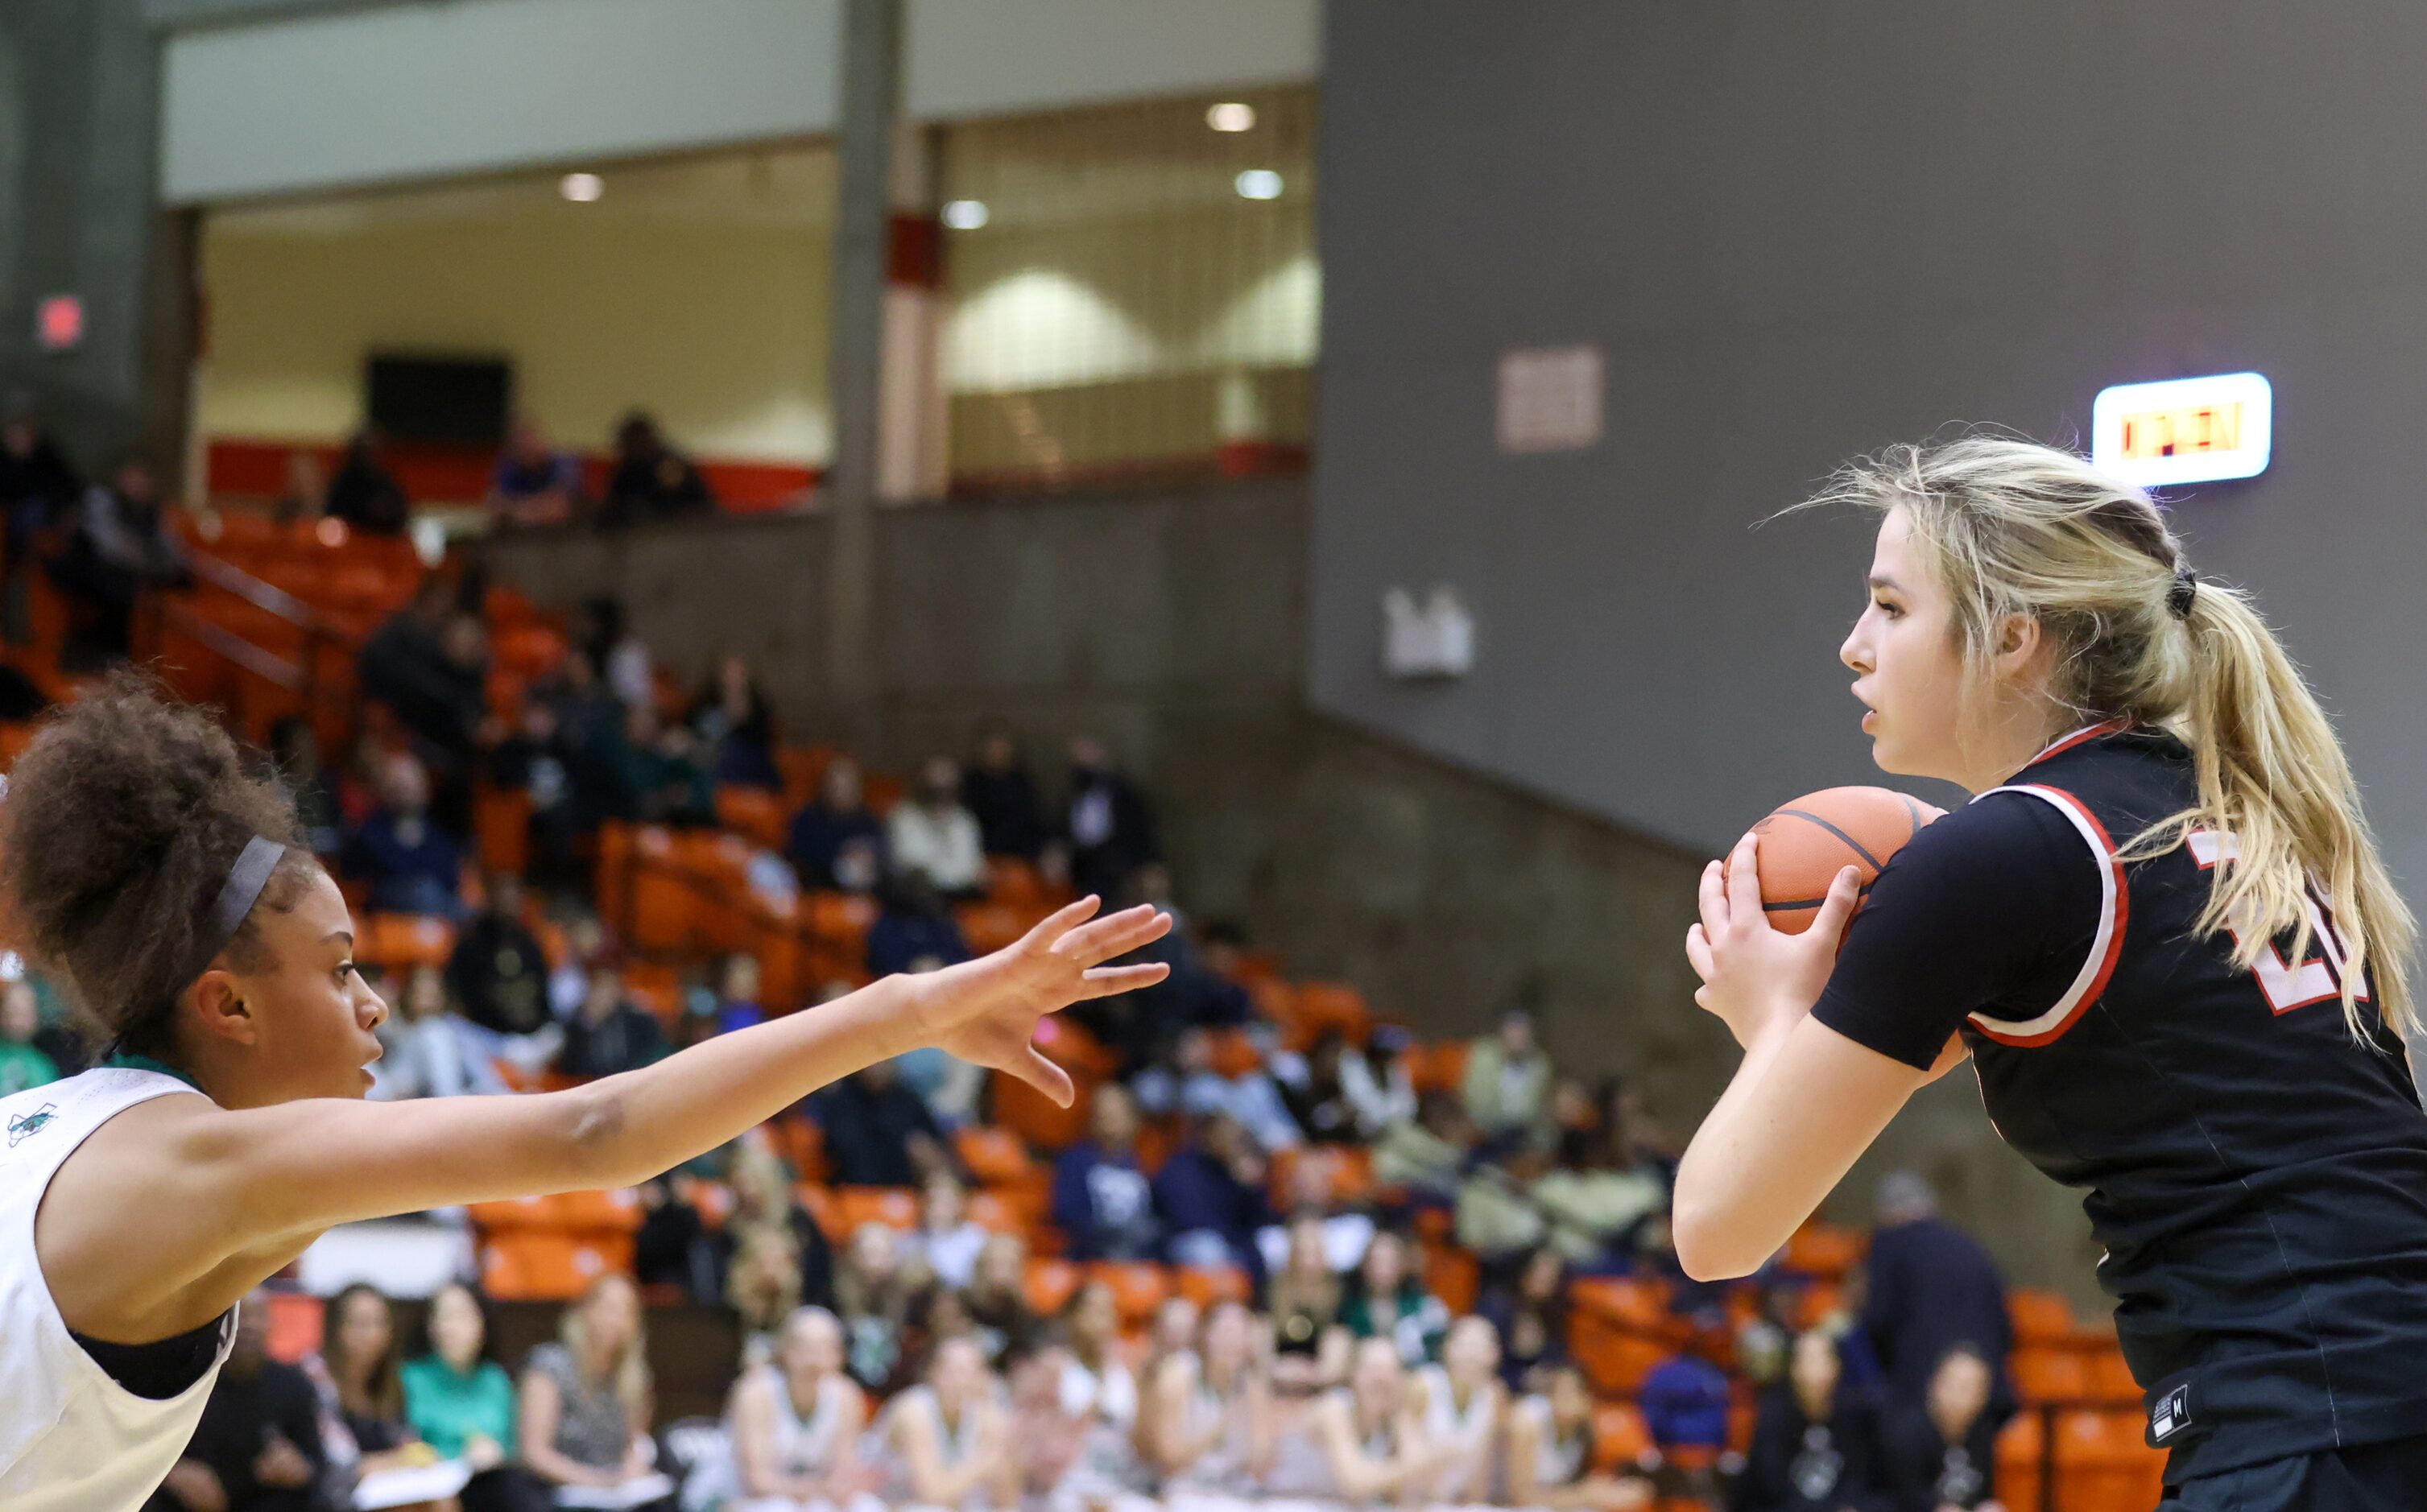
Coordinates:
403 941
2040 1317
2110 1379
2050 1375
1048 1284
1622 1439
1016 884
1035 1117
1207 1285
1628 1303
1138 1288
994 1156
989 927
617 1211
1823 1250
2020 1449
501 819
2103 1463
894 1207
754 813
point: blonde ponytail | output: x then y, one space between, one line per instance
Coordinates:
2273 775
2016 528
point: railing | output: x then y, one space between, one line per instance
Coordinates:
301 678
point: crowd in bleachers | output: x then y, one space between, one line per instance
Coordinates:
1282 1248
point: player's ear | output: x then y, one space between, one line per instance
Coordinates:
2016 641
219 1008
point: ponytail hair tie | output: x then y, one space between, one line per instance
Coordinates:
2178 598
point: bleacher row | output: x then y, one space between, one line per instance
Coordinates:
300 601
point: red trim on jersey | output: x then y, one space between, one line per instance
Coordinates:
2115 935
2088 732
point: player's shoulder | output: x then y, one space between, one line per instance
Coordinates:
2003 832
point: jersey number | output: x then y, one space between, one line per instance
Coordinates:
2284 986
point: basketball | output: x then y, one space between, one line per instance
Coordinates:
1804 842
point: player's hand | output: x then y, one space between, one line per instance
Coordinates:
986 1011
281 1464
1753 976
196 1486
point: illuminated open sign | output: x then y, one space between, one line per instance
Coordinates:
2184 430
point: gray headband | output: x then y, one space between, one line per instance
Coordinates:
242 889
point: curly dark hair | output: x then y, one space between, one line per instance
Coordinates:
121 822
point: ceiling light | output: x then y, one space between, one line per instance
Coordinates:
1231 116
581 188
964 215
1260 184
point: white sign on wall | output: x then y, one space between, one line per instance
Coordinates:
2184 430
1549 399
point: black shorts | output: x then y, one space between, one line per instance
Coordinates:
2386 1477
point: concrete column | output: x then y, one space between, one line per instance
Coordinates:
872 61
913 447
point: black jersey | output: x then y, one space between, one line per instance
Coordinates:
2258 1176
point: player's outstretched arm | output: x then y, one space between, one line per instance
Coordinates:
295 1168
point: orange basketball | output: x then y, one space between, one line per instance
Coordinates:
1806 842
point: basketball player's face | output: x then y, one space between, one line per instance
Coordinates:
1909 673
312 1012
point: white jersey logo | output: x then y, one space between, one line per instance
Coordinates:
2171 1414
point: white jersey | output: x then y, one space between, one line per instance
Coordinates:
73 1440
1557 1461
1473 1429
806 1446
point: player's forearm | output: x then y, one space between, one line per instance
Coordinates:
1720 1229
643 1122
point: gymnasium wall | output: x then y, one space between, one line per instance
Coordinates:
1801 232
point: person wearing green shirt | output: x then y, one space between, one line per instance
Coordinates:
461 1403
20 1065
1390 1303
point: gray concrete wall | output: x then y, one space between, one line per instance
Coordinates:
1801 232
1173 624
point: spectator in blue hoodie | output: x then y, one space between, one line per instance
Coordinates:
412 866
1210 1196
917 932
1101 1200
835 845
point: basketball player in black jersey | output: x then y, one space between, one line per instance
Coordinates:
2161 933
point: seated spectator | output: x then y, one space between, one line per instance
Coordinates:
497 970
363 493
1943 1455
587 1401
1388 1301
873 1294
585 946
996 1299
1816 1444
461 1403
1310 1348
412 865
916 931
763 1285
295 752
672 1247
1101 1201
931 835
1193 1086
1427 1156
1209 1418
1458 1405
662 775
431 1051
737 724
835 844
604 631
39 490
1931 1287
1531 1314
608 1034
1097 1391
22 1065
763 1198
362 1425
795 1423
534 483
257 1447
946 1242
1108 827
119 547
999 791
535 759
736 994
943 1445
1549 1452
1596 1202
1357 1443
878 1131
1210 1197
403 664
1335 1094
1507 1077
651 479
306 495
